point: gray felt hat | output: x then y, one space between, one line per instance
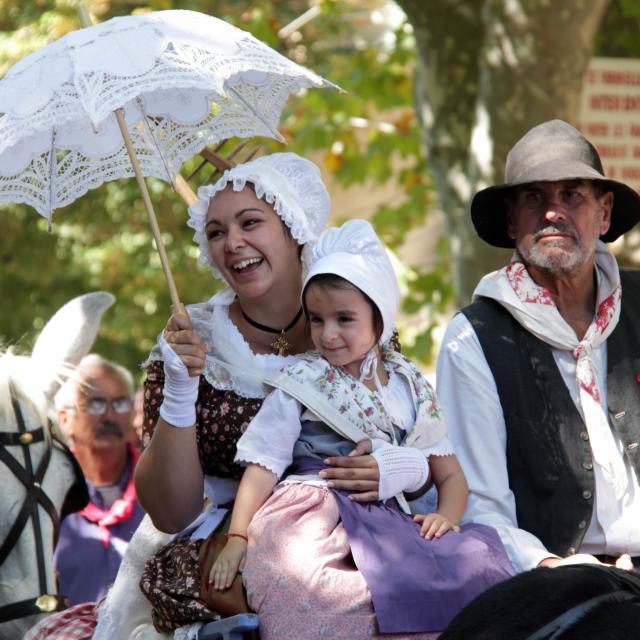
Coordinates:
551 151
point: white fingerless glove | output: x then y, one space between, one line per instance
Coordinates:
180 389
401 468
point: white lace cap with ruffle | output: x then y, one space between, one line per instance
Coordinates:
293 185
183 78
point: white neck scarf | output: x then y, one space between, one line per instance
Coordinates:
533 307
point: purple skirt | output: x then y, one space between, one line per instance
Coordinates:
416 585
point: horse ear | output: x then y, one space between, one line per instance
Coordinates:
68 337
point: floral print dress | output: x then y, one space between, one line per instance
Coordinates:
171 579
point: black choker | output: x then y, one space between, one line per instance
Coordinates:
280 344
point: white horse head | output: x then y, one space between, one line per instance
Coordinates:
36 468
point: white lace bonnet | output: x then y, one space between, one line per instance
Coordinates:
355 253
293 185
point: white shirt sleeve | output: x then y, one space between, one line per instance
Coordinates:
469 398
271 435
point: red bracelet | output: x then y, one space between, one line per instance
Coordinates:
237 535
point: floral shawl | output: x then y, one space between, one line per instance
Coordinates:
352 409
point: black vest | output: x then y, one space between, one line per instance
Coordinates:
549 459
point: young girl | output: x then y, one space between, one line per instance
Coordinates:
356 389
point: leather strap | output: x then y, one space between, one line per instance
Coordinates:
35 496
25 438
46 603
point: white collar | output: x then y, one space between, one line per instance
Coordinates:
227 345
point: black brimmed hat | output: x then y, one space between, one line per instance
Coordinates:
551 151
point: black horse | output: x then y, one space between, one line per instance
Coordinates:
573 602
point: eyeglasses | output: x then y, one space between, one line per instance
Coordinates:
100 406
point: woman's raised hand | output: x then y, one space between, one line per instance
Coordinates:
358 472
185 343
183 353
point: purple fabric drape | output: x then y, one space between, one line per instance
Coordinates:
416 585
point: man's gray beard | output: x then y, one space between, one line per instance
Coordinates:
558 261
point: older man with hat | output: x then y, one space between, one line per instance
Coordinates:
540 376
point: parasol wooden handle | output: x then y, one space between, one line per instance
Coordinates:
153 221
84 16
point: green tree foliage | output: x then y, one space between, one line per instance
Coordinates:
619 36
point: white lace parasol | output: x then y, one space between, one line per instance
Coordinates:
136 95
184 79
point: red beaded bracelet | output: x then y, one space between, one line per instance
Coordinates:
237 535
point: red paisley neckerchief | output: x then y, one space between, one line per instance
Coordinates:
120 510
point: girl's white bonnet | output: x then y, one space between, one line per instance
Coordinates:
355 253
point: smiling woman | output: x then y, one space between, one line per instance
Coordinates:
254 251
252 227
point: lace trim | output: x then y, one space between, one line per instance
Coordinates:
441 448
198 89
291 184
264 466
237 351
214 326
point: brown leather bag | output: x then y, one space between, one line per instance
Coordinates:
231 601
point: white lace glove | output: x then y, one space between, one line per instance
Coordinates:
180 389
401 468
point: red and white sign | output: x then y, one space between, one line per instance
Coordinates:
610 116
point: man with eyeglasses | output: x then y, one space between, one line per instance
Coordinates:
95 411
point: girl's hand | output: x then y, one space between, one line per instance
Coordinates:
435 525
186 343
228 563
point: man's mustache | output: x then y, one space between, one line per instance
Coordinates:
105 429
557 227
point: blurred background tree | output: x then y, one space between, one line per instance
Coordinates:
483 72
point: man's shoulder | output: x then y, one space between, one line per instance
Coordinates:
459 342
630 277
483 310
630 283
470 319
